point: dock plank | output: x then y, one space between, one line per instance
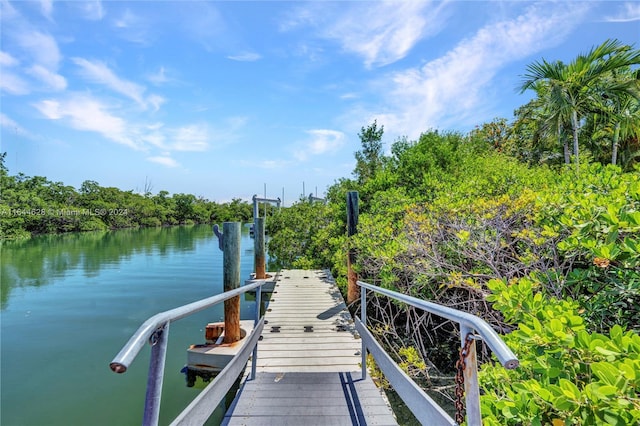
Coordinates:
308 364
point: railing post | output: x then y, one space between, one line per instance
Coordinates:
471 386
259 252
352 227
363 319
153 397
231 277
255 208
254 357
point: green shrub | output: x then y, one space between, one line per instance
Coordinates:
567 376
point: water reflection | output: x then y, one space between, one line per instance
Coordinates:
40 260
70 302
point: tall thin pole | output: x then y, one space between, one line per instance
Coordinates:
353 292
259 252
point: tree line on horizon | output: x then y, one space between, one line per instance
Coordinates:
34 205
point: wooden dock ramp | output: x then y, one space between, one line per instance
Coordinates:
308 367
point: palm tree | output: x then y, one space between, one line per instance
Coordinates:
571 86
620 107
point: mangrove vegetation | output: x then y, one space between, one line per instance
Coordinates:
532 224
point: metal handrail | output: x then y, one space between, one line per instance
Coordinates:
469 325
505 355
146 331
155 331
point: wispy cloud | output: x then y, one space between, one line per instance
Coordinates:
12 126
133 27
100 73
6 60
450 90
39 54
42 47
92 9
46 6
629 12
164 160
322 141
379 32
159 77
245 57
52 80
11 82
190 138
82 112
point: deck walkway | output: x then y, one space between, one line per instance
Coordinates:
308 367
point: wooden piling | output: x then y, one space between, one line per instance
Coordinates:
259 249
231 279
353 291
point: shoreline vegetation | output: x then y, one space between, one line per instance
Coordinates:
34 205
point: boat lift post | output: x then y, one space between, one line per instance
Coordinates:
258 234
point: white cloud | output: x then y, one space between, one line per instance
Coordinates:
12 126
7 11
164 160
159 77
630 12
245 57
6 60
133 28
47 8
379 32
13 84
92 10
127 20
453 86
42 47
156 101
191 138
98 72
84 113
52 80
322 141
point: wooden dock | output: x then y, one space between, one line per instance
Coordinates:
308 366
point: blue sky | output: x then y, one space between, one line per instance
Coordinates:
219 99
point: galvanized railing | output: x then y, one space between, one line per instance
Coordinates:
156 331
426 410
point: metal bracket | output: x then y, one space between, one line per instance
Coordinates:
220 235
155 336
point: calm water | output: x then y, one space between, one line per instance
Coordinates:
69 303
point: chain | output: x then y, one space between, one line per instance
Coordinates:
155 336
460 366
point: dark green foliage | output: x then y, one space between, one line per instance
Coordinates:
35 205
369 158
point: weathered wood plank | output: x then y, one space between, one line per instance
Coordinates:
313 398
308 350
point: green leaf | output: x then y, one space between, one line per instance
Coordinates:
605 372
569 389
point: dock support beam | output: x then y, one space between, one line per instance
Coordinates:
353 291
158 341
231 270
258 241
471 385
